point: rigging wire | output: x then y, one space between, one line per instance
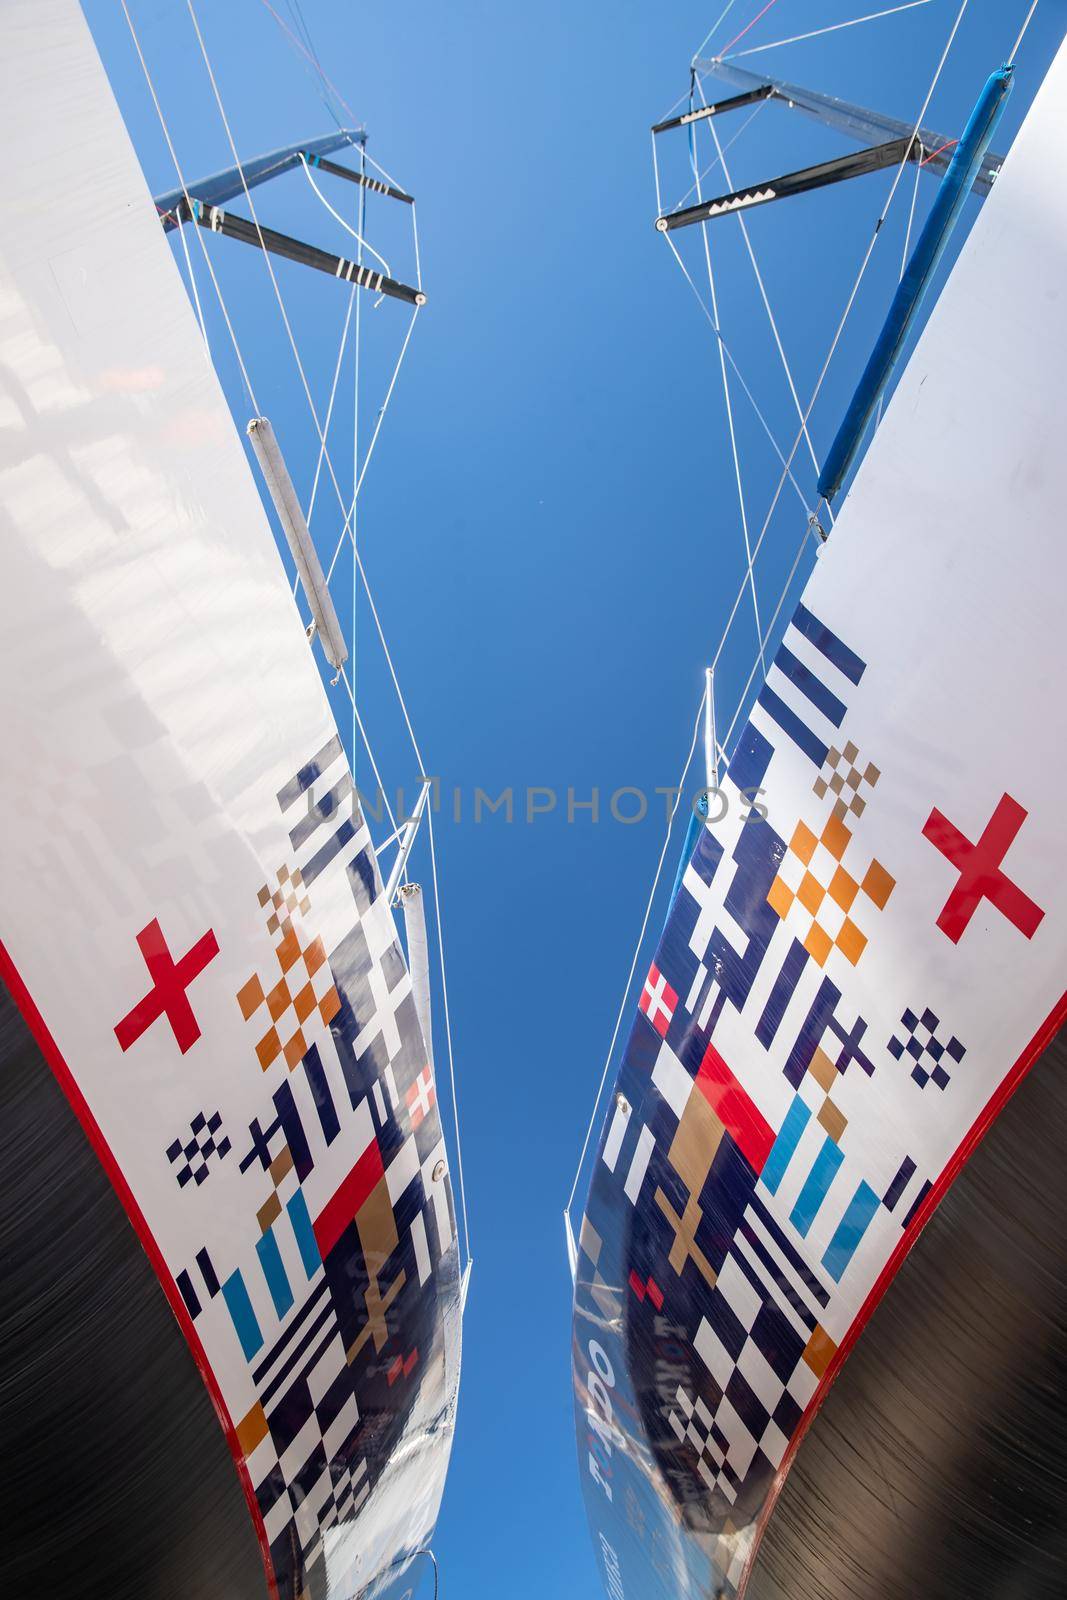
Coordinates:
833 27
363 243
719 20
1022 34
729 413
786 465
762 289
329 410
436 891
739 36
767 637
185 191
697 726
312 58
370 752
448 1032
346 529
193 289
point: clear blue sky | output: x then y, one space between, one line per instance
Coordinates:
551 524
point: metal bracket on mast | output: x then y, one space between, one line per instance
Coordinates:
364 180
407 839
763 91
841 168
856 121
232 181
308 255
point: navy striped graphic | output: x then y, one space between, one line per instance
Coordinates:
826 641
791 724
796 1261
321 812
899 1183
292 791
816 691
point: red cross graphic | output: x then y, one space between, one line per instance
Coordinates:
979 866
170 980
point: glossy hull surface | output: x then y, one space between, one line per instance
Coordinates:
197 945
866 955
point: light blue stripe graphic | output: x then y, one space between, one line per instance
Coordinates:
270 1259
816 1187
305 1234
242 1316
850 1231
784 1147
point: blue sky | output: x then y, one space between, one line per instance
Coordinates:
551 524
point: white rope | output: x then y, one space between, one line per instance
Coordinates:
370 752
733 441
364 244
740 378
723 14
193 289
763 293
448 1031
189 203
330 404
637 952
350 511
1022 35
834 27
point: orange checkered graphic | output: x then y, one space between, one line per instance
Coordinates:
814 886
305 986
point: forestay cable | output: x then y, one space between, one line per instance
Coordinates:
762 288
786 465
833 27
729 414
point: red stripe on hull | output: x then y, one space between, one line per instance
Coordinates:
50 1050
339 1211
739 1115
970 1142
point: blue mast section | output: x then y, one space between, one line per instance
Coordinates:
944 214
221 186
